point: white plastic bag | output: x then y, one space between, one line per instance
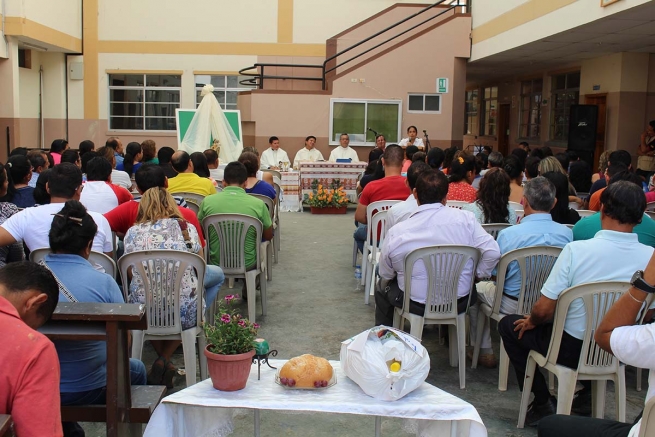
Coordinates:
365 359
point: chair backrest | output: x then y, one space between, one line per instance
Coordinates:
569 226
494 228
648 419
598 298
379 221
456 204
161 272
650 206
519 215
269 203
274 173
585 213
373 207
444 265
193 200
514 206
574 205
651 214
535 264
95 258
231 230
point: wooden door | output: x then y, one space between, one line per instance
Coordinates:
503 129
599 100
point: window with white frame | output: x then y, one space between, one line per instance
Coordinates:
143 101
490 110
530 114
226 88
424 103
355 117
565 91
471 118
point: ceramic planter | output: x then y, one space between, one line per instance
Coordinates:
229 372
329 210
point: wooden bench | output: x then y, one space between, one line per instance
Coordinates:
6 426
127 407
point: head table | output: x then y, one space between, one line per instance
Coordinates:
295 184
200 410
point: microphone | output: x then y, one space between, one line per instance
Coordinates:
373 130
425 132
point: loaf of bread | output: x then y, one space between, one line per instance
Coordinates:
306 371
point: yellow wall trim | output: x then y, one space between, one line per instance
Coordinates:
90 34
211 48
285 21
19 26
1 23
119 71
216 73
522 14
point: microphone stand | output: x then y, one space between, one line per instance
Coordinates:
427 142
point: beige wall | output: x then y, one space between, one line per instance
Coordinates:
485 11
61 15
533 20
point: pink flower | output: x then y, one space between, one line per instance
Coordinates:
229 298
225 318
255 325
242 323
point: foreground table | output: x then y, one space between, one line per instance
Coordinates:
290 186
202 410
103 322
326 172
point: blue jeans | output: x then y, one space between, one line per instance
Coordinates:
98 396
214 278
360 236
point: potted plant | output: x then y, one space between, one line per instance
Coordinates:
230 347
327 201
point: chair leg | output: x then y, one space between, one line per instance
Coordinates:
527 389
365 263
566 379
397 320
263 295
371 289
416 328
638 369
276 245
619 392
251 289
461 349
452 344
354 254
137 344
202 358
503 368
598 392
367 281
189 349
482 321
551 381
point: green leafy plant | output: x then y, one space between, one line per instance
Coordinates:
322 197
231 334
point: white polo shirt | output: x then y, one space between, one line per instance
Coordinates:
401 211
609 256
32 226
102 197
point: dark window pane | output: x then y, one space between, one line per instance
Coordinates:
537 86
130 109
573 80
349 118
165 80
126 123
384 119
534 131
126 79
162 96
134 96
415 103
232 81
159 110
526 87
231 97
432 103
160 123
559 82
218 81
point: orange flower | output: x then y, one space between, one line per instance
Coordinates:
311 196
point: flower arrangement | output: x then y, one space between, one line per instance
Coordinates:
231 334
322 197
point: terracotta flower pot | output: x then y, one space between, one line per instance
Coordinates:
229 372
329 210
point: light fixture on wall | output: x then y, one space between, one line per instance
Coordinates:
34 46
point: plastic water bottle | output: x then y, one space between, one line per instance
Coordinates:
358 272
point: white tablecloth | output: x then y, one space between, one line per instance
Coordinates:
290 186
200 410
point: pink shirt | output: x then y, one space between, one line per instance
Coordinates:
56 157
29 382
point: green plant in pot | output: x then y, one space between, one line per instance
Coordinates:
230 347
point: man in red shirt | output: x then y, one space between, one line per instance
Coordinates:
391 187
29 381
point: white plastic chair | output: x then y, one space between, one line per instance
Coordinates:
371 208
595 364
494 228
642 316
231 230
651 214
585 213
574 205
276 222
648 419
193 200
456 204
162 272
268 247
650 206
444 265
514 206
95 258
535 264
519 215
379 220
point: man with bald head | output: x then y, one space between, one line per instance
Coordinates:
186 180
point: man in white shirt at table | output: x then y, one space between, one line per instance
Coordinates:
308 153
344 151
432 224
272 156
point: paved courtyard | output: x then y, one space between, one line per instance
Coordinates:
314 303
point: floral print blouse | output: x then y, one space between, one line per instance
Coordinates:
461 191
165 234
13 252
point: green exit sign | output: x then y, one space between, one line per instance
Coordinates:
442 85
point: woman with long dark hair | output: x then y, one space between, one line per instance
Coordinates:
149 149
20 172
377 173
461 175
132 159
514 169
561 213
13 252
491 205
56 149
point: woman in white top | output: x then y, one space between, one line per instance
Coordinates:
411 139
492 203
